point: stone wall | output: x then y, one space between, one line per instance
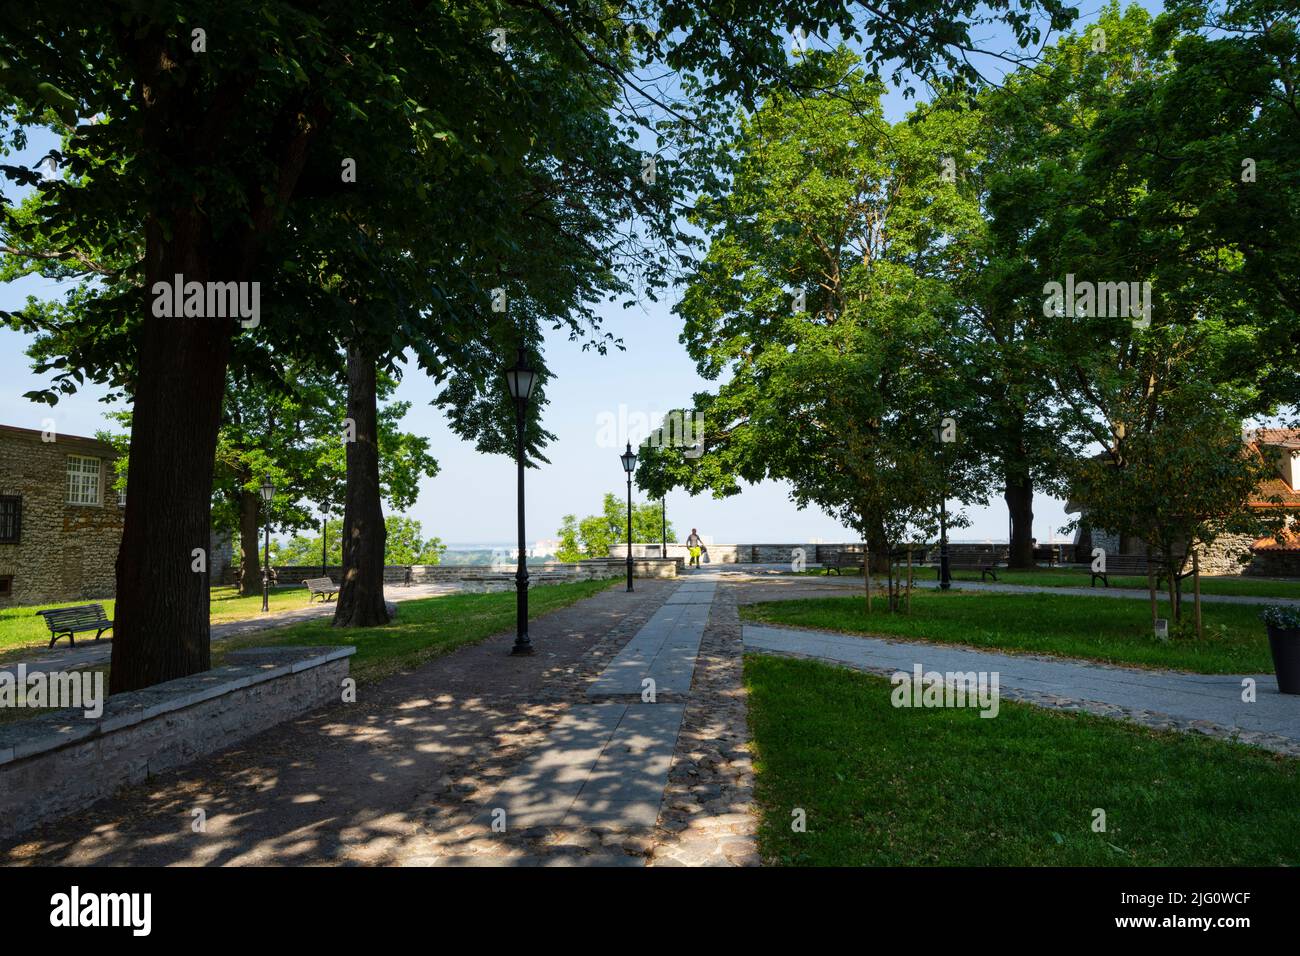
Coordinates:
1229 554
66 552
55 764
822 553
397 574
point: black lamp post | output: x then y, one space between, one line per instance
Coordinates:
324 541
945 574
663 524
628 458
521 377
268 492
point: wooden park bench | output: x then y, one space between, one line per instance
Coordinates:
1119 564
73 620
985 562
1133 564
325 587
842 560
1046 552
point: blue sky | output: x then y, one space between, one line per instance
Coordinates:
472 497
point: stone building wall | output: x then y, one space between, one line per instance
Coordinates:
1229 554
65 552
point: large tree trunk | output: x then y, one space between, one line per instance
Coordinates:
160 628
250 581
878 549
1019 496
361 593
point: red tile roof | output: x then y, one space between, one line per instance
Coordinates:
1289 541
1281 437
1274 487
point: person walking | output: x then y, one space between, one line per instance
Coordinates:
694 544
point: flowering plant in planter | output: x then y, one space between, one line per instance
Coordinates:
1284 644
1281 617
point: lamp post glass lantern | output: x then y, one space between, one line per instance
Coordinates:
268 492
520 379
628 458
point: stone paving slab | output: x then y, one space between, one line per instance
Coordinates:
1214 699
663 651
602 765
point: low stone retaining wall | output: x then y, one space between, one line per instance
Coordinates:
822 553
585 570
60 762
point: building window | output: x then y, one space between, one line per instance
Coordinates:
83 480
11 519
6 585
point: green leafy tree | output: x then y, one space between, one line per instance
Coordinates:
304 550
598 533
569 549
819 300
226 168
406 545
1182 482
1080 187
404 541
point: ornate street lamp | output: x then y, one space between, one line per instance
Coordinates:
628 458
521 377
268 492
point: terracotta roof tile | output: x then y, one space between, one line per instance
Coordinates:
1290 541
1274 487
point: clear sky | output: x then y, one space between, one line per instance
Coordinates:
472 498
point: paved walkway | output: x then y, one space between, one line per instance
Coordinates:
1209 703
605 765
410 774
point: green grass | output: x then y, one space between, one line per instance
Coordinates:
423 629
20 627
1074 578
883 787
1115 631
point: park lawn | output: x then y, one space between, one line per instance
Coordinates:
885 786
1115 631
20 627
1079 578
1066 578
423 629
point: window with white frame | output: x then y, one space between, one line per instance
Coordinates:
83 480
